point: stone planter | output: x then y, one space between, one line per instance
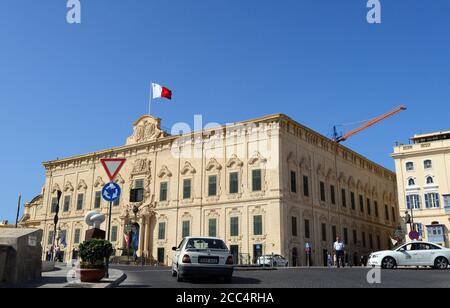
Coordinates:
91 275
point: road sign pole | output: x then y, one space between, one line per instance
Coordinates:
109 236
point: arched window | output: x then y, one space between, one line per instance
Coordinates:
428 164
430 180
410 166
411 182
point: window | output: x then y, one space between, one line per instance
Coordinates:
447 203
77 236
355 237
369 207
234 183
377 214
430 180
162 231
432 200
137 193
307 233
419 228
293 182
370 241
378 242
386 212
361 203
353 201
234 226
410 166
66 203
212 227
54 205
294 226
163 191
333 233
436 234
256 180
50 238
324 232
114 234
411 182
186 229
80 201
332 194
345 236
187 188
322 192
363 237
257 225
212 185
427 164
394 219
97 199
305 186
344 198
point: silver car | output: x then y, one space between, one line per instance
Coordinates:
202 257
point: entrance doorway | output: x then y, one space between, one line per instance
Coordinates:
161 256
234 250
295 257
257 252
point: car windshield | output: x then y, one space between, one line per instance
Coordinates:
197 243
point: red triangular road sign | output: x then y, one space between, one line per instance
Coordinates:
112 166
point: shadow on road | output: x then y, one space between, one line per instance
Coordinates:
236 280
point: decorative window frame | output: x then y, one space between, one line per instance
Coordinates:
212 214
213 168
258 211
164 219
187 173
234 165
165 176
257 162
293 166
235 240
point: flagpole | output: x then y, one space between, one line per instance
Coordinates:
150 101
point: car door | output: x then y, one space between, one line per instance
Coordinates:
428 254
408 255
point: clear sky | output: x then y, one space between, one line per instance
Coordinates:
71 89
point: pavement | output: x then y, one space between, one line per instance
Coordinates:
317 277
62 277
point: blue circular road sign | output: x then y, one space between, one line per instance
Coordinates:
111 192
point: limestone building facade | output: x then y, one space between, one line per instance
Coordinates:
268 185
423 169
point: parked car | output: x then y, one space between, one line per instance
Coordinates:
272 260
197 257
412 254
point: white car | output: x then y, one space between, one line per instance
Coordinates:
202 257
412 254
272 260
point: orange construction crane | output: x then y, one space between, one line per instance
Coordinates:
367 124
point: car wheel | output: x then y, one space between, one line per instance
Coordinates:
441 263
179 277
174 272
275 264
388 263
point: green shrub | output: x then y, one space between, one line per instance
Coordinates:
93 253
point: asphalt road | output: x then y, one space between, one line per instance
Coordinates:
148 277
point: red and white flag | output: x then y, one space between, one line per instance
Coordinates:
160 91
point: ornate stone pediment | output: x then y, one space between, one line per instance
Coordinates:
55 188
188 168
164 172
146 128
141 166
99 182
234 162
119 179
257 158
68 187
81 185
213 164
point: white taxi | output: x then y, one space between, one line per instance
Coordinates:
202 257
412 254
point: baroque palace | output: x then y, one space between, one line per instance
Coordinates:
268 185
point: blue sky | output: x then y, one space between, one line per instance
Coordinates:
71 89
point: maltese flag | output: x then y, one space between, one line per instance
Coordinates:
161 92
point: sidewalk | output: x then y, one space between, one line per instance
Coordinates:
60 278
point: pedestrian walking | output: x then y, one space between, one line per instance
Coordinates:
339 249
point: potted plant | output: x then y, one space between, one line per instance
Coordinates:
93 254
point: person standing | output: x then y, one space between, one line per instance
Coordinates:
339 249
